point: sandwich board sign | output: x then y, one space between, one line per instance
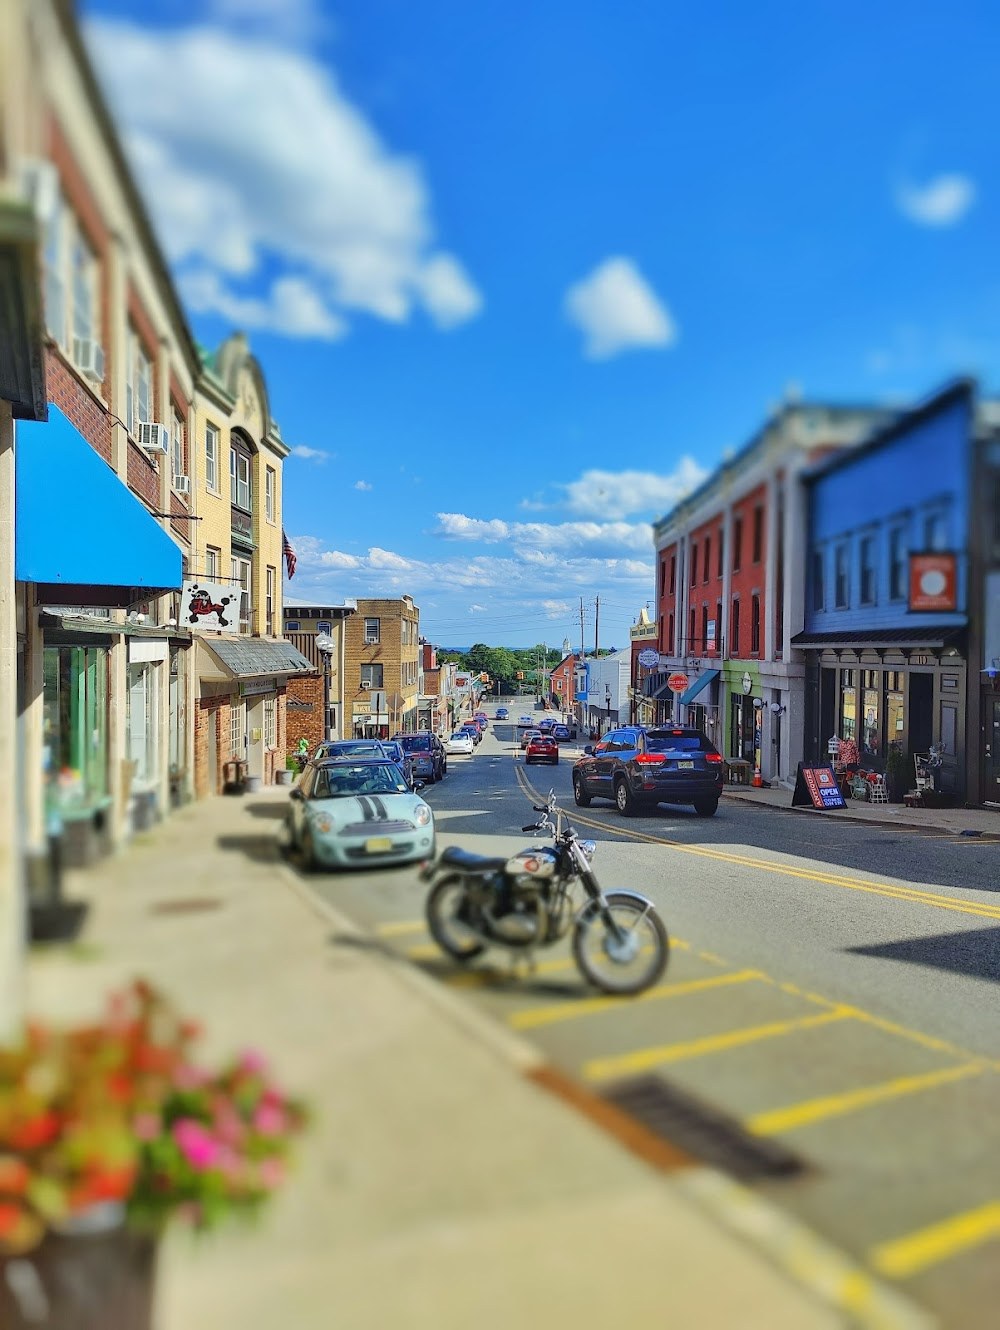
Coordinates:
817 786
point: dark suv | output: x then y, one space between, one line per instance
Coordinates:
640 767
426 754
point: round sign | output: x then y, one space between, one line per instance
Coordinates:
677 683
648 657
747 683
933 582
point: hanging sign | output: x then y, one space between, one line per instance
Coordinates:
710 636
817 786
677 683
933 582
647 658
747 683
209 605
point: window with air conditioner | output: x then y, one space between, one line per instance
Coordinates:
371 676
86 349
372 631
139 385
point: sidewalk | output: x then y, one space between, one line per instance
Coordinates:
985 822
440 1187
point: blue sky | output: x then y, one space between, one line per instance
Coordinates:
519 274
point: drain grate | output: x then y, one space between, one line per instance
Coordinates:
192 905
702 1130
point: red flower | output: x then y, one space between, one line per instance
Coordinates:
35 1132
14 1176
10 1216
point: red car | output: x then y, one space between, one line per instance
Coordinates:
542 749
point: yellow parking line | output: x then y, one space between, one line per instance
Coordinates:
906 1256
601 1069
807 1112
427 951
398 927
568 1011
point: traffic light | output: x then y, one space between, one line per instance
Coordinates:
520 674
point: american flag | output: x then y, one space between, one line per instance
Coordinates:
289 553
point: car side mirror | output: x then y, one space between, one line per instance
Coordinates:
589 750
418 785
295 792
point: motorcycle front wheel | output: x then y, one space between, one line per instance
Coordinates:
629 964
444 922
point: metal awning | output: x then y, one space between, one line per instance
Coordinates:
938 635
249 658
701 683
80 535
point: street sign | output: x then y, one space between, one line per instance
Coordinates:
677 683
647 658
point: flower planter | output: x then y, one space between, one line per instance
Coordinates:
284 777
102 1279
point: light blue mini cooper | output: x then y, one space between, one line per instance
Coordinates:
344 814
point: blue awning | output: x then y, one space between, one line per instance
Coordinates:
79 533
702 682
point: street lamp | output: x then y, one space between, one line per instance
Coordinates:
607 701
327 647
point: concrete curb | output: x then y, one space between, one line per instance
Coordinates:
841 816
806 1260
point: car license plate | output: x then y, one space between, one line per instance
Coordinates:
685 766
378 844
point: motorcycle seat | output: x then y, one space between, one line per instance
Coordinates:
471 863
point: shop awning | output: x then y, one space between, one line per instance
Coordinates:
80 535
702 682
900 638
253 658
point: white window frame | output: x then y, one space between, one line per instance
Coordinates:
373 640
238 729
139 384
270 722
176 445
270 491
84 291
213 563
272 579
239 484
241 572
212 457
367 676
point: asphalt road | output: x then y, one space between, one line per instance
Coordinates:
832 987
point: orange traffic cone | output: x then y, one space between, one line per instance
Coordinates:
757 782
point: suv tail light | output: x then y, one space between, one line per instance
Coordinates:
650 759
714 758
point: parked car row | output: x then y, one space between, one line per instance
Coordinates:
638 767
469 735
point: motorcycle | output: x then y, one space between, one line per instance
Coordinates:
619 943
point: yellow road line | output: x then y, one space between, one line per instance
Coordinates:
601 1069
568 1011
427 951
906 1256
804 1114
912 895
398 927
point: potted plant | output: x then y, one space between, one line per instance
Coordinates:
108 1133
895 773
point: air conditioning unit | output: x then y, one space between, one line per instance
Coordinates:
40 184
182 484
88 356
154 438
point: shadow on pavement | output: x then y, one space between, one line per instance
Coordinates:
976 953
273 809
262 848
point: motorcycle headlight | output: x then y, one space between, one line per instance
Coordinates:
322 822
588 847
423 815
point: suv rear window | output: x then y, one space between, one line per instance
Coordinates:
664 741
415 743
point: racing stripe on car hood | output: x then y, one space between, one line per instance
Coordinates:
367 811
379 808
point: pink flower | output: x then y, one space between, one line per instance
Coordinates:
228 1163
198 1147
189 1077
270 1120
271 1173
228 1125
147 1126
252 1063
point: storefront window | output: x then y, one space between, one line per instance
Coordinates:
871 736
75 722
894 708
848 706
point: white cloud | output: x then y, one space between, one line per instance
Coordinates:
477 609
309 454
255 160
619 493
556 609
282 20
530 539
362 485
942 201
387 559
617 310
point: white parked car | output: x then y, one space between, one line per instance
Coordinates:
460 742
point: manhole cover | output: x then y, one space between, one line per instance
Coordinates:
702 1130
191 906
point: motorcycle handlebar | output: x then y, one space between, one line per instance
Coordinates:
532 827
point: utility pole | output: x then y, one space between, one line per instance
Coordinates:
582 655
597 621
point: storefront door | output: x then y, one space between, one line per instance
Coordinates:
991 751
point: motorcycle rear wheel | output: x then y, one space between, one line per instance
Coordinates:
441 913
639 964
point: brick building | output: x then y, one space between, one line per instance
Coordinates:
382 667
562 683
730 589
315 709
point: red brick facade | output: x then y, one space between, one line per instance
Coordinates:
748 561
562 682
143 475
273 762
77 402
305 711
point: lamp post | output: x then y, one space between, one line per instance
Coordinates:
326 646
607 701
